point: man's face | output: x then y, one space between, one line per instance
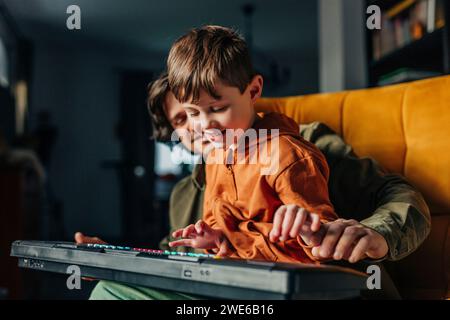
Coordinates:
233 110
177 117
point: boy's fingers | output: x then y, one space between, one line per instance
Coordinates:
200 227
181 242
315 222
188 231
177 233
288 220
277 220
223 250
315 251
298 222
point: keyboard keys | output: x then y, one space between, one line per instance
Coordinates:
150 251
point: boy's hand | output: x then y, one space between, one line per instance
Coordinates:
201 236
290 220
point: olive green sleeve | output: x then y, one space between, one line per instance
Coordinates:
185 207
360 189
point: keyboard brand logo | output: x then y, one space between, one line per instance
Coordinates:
74 280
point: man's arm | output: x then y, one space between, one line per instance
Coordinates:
185 207
401 216
360 189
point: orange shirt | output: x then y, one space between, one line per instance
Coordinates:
242 195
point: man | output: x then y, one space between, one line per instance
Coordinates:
383 211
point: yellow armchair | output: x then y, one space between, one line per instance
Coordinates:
406 128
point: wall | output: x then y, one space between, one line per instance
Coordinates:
342 55
79 85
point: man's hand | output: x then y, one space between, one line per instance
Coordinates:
201 236
81 238
350 240
290 220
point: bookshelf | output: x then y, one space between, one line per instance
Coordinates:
413 43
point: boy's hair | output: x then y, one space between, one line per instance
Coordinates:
204 56
157 91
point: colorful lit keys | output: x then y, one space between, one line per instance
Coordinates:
150 251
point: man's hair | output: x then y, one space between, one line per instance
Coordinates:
204 56
157 91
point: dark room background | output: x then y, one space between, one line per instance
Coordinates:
77 97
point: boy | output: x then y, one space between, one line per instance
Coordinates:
246 214
349 180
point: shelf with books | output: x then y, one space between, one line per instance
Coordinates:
413 39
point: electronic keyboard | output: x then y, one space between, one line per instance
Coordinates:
193 273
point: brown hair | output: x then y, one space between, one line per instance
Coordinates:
157 91
204 56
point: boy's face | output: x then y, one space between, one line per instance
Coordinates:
233 110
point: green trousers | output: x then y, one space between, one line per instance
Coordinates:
108 290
